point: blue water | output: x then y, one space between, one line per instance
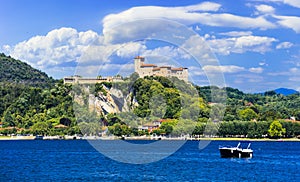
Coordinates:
77 160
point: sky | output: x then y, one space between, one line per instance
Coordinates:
251 45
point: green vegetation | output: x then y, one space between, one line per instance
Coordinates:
31 102
276 130
16 71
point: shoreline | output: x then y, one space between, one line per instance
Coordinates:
3 138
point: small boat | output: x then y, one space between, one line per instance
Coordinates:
238 152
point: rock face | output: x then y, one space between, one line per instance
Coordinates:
113 101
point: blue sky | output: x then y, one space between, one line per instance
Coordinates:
254 43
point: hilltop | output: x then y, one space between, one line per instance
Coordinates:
13 70
286 91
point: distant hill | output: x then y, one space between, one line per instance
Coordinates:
12 70
285 91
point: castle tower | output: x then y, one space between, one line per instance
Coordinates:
138 62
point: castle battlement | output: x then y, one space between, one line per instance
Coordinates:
144 69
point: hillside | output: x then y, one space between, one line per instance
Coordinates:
12 70
38 106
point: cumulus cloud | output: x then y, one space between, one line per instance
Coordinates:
256 70
223 69
58 46
242 44
64 45
284 45
265 9
196 46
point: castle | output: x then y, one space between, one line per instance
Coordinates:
139 67
153 70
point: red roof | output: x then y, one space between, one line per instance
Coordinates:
177 69
60 126
148 65
139 57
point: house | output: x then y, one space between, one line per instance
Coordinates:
149 127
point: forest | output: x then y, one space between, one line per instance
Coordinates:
33 103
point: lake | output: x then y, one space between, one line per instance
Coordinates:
77 160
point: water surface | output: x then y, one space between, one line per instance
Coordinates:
77 160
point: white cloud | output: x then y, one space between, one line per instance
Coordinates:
65 45
292 72
57 47
249 78
223 69
283 73
294 79
237 33
294 3
61 48
197 28
197 71
265 9
187 15
263 63
256 70
205 6
197 47
241 44
108 69
59 72
284 45
131 49
166 51
292 22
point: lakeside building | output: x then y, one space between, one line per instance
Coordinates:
144 69
85 80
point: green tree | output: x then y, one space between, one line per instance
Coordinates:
119 130
276 130
247 114
40 128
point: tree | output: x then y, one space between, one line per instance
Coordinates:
276 130
270 93
168 126
119 130
247 114
40 128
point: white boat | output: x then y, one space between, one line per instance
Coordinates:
238 152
